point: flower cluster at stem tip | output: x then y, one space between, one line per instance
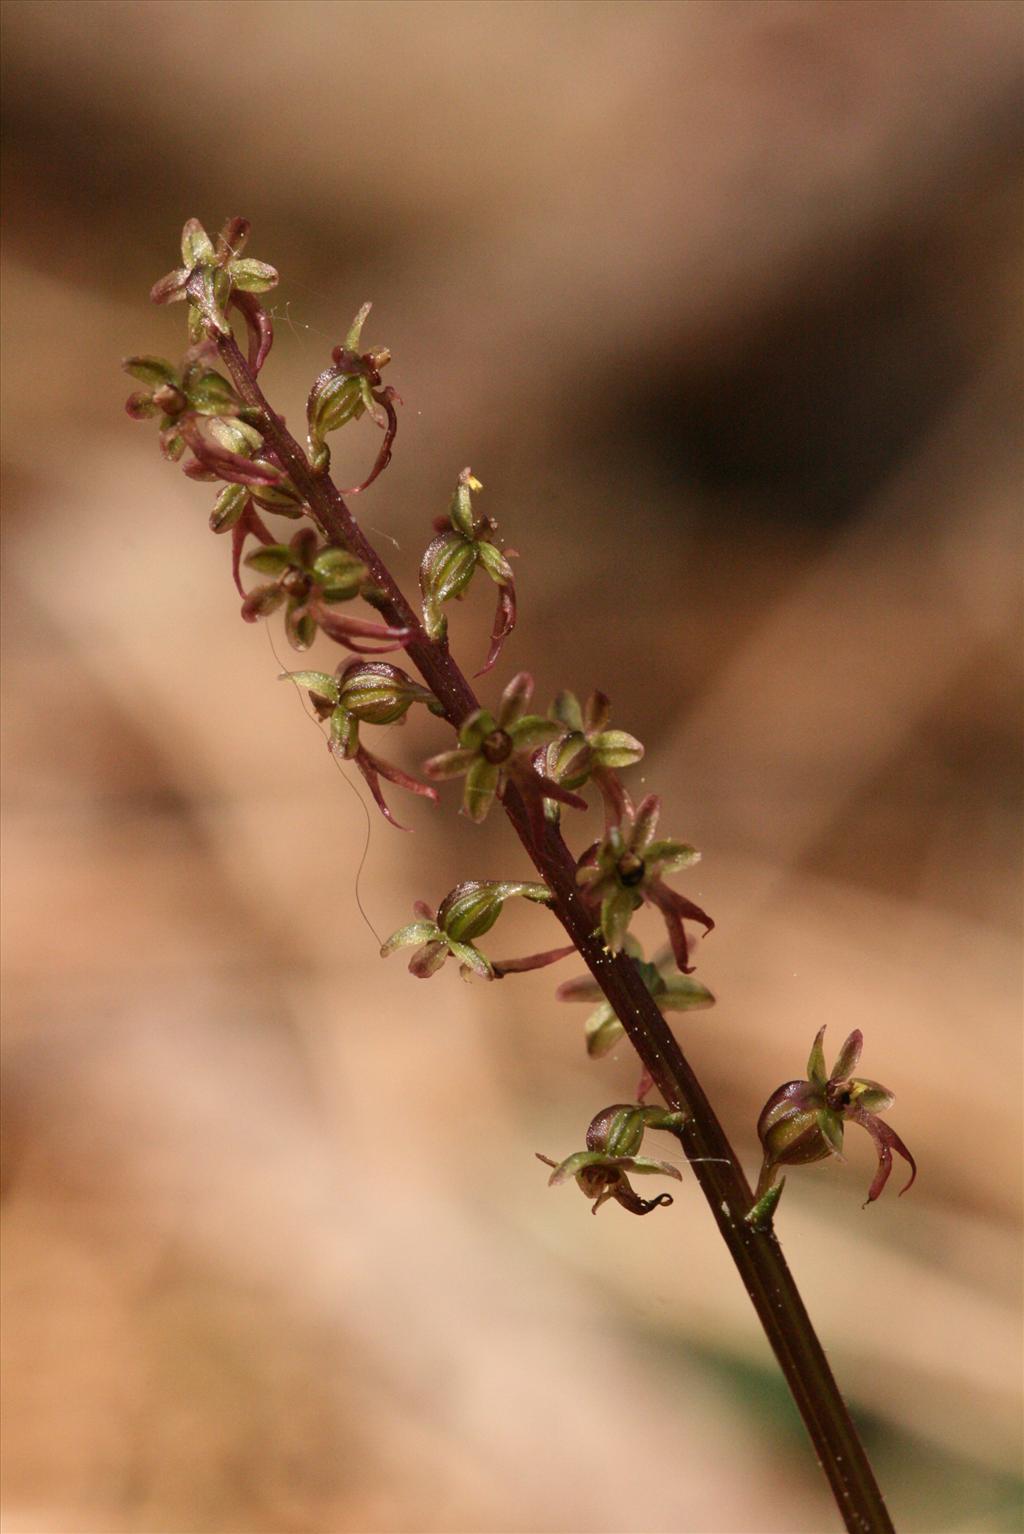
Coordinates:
213 419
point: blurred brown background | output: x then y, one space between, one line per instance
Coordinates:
721 303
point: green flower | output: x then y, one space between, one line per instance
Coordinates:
464 543
803 1121
313 579
466 913
368 692
493 751
613 1139
588 749
210 273
345 392
624 871
176 395
673 993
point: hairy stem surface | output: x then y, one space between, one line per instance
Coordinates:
757 1254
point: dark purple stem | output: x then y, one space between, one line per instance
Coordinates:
757 1254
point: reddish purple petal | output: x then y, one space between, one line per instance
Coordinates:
249 522
531 961
504 623
383 397
618 806
886 1141
373 766
259 326
168 289
344 630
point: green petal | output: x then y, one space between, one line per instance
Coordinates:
846 1061
515 699
211 394
532 730
603 1032
476 727
151 370
196 245
252 276
271 559
566 711
576 1163
481 784
344 733
472 958
831 1126
616 914
449 764
871 1095
355 330
614 748
681 994
495 563
416 932
237 436
646 823
314 681
645 1166
672 856
816 1071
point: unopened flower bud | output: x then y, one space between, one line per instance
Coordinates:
795 1128
472 908
379 693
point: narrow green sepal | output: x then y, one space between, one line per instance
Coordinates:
831 1126
415 933
344 733
313 681
151 370
270 559
816 1071
495 563
196 245
615 748
355 330
211 394
252 276
603 1031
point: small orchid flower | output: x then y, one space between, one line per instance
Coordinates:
346 391
624 870
466 913
803 1121
177 395
673 993
465 540
613 1139
494 751
588 749
210 273
313 579
368 692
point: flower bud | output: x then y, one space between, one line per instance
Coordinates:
334 399
619 1130
795 1128
379 693
472 908
445 571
